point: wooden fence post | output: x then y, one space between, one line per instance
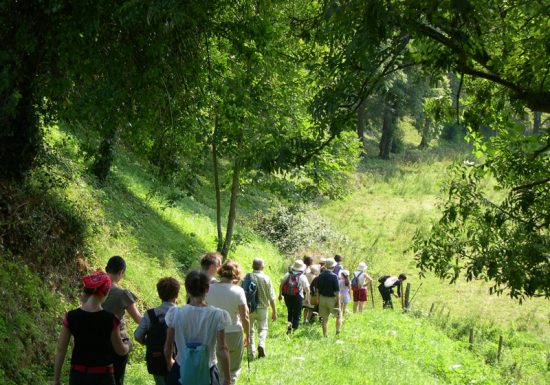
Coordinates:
447 318
407 297
499 348
371 294
431 309
471 339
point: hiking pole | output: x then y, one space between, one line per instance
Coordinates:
414 295
248 358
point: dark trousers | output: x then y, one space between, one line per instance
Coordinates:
294 305
77 378
119 364
174 375
385 292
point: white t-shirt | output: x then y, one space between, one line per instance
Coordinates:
304 284
360 278
196 324
228 297
389 282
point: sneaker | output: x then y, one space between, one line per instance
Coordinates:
289 328
261 353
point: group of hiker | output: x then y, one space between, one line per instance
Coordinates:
325 289
204 341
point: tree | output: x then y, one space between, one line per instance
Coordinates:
261 90
499 52
117 68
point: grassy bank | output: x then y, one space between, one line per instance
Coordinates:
161 232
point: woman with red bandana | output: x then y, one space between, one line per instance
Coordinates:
96 333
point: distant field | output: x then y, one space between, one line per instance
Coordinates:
389 203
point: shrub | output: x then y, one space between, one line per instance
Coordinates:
293 228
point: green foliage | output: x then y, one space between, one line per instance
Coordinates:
294 229
504 240
29 320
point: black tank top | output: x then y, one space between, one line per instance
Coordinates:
92 336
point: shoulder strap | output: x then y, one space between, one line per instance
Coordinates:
152 316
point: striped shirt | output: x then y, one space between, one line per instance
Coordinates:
266 293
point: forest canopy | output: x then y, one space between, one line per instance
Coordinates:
283 91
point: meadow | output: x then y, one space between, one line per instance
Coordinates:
162 233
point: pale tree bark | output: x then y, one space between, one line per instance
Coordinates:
219 244
537 115
424 141
390 108
235 184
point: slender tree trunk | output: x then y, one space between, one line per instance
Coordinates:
232 210
424 141
217 188
536 121
361 125
387 132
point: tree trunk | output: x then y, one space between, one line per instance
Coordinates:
232 210
104 157
20 134
424 141
536 121
387 132
361 125
217 188
19 137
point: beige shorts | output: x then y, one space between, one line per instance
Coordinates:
327 306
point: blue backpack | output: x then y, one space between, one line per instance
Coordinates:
195 366
251 291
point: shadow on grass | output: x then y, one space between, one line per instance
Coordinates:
155 235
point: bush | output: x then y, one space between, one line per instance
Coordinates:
293 228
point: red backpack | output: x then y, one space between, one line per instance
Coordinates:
291 286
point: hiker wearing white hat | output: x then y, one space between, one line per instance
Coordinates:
359 284
295 289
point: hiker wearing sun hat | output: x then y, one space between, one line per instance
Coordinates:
329 295
295 289
359 284
96 333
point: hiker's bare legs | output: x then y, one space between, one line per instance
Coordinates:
325 322
338 324
355 306
361 304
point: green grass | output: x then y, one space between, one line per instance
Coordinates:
390 202
133 215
